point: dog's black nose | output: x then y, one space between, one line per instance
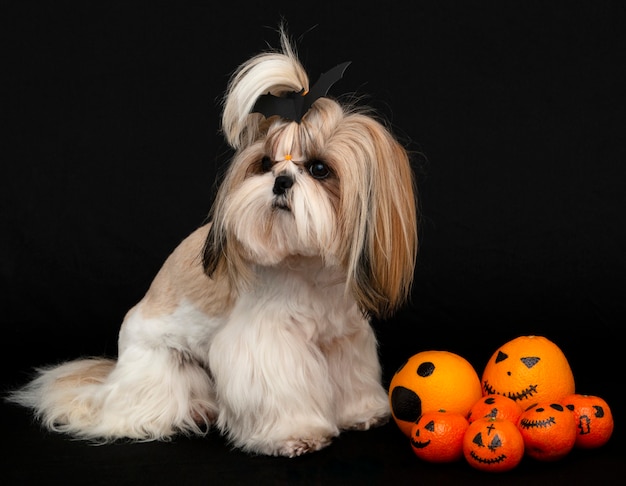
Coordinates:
282 183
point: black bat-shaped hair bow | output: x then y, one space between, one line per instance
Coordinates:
294 105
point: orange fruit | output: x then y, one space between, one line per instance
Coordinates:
528 369
437 436
548 430
593 418
493 445
495 406
432 380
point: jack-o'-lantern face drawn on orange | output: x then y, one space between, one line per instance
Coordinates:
432 380
528 369
594 420
549 431
490 439
437 436
492 444
495 406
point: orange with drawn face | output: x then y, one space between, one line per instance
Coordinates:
594 420
437 436
548 430
495 406
432 380
493 445
528 369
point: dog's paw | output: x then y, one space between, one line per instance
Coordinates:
297 447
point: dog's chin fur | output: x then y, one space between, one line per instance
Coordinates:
258 322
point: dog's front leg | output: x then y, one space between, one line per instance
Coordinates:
272 385
361 401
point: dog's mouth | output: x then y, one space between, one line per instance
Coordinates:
281 203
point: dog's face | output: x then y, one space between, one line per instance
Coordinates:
281 197
336 186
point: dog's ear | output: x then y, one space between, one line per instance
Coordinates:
381 273
222 255
223 260
214 252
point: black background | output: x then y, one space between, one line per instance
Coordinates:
514 114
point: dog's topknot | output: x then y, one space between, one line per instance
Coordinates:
275 72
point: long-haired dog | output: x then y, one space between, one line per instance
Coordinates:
258 322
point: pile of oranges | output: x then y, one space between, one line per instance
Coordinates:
524 405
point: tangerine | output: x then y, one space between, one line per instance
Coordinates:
593 417
548 430
495 406
437 436
432 380
493 444
528 369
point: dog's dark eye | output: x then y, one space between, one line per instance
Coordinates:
266 164
318 169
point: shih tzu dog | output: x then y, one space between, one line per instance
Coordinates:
259 321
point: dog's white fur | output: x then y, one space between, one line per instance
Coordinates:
258 321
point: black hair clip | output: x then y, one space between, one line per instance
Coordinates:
293 106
